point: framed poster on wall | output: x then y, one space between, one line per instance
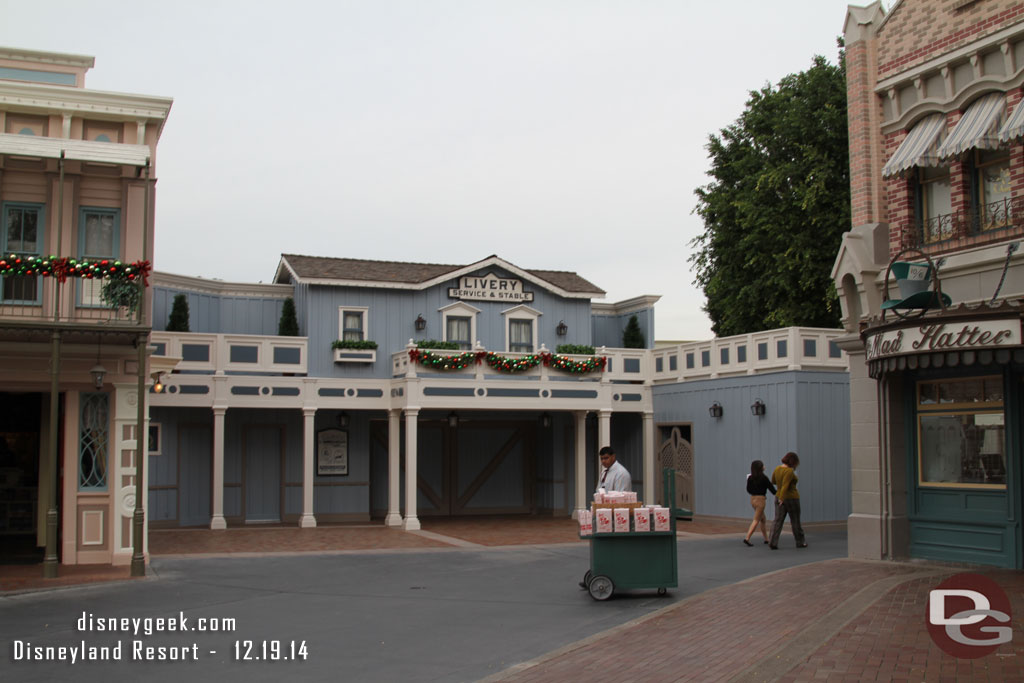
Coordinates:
332 453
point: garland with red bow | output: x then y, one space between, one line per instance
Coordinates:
501 363
63 268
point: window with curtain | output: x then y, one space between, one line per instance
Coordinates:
352 326
99 237
458 331
520 336
992 183
934 205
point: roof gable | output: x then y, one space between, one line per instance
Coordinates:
418 276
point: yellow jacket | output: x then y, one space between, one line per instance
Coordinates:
784 479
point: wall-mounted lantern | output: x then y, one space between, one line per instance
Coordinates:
715 410
420 323
562 329
98 371
757 408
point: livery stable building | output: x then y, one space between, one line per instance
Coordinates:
353 420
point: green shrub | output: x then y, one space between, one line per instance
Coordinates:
178 321
435 344
580 349
361 344
288 326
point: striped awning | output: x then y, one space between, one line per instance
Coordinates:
1014 126
920 148
978 128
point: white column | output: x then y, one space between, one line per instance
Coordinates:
651 478
580 418
394 517
217 517
307 520
411 522
604 434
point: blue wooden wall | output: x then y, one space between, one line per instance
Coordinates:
806 412
213 313
608 329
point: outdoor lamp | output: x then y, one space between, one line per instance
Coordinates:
158 386
757 408
715 410
97 372
343 420
420 323
562 328
453 420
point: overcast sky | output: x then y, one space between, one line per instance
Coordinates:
557 134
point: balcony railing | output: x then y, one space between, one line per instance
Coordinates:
543 364
233 353
30 299
988 222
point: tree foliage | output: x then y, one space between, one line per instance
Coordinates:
288 325
178 320
777 206
633 336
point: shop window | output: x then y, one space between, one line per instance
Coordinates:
23 233
992 188
99 233
353 324
934 204
93 441
961 433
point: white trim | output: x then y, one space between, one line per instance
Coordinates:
41 57
521 312
74 150
363 310
462 310
634 305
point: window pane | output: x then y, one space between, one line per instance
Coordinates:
29 241
458 331
352 326
520 335
21 288
13 230
99 234
963 449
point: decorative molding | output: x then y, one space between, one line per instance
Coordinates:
208 286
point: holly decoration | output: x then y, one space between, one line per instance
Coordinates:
501 363
63 268
439 361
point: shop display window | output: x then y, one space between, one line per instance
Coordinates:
961 433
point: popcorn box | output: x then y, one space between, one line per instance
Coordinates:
641 519
621 519
662 520
604 520
586 522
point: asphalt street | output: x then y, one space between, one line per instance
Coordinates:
448 615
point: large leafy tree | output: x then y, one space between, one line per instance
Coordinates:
777 206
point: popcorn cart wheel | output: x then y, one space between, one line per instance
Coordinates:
587 577
601 587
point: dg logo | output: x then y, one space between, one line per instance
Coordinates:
969 616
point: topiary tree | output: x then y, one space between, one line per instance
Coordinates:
178 321
288 326
633 336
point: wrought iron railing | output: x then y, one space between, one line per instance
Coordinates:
993 220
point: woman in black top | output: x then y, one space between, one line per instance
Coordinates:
757 486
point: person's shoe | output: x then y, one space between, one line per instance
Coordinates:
746 542
801 545
774 547
766 542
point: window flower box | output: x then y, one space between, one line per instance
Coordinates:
351 351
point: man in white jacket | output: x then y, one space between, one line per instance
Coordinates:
614 477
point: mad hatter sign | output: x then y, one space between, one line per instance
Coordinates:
490 287
938 336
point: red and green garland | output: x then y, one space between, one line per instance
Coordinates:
63 268
501 363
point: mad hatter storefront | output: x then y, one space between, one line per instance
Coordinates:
950 390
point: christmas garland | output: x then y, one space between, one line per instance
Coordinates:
501 363
63 268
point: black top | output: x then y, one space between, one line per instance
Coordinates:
756 486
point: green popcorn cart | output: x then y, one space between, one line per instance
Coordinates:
627 560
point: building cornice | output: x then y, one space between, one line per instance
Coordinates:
53 58
637 303
206 286
95 104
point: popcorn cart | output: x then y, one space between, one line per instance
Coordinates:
630 557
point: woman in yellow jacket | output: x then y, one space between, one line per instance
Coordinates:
787 501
